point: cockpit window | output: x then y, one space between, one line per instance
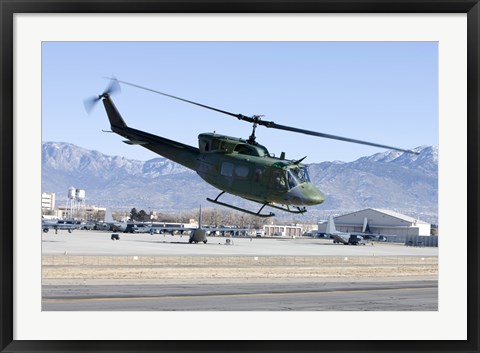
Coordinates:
296 176
303 174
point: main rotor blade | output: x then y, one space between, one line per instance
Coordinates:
239 116
271 124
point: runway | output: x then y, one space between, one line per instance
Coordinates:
298 295
87 271
82 242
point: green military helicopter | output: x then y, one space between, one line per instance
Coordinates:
236 166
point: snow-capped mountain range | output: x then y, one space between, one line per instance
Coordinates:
406 183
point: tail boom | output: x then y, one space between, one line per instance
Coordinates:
178 152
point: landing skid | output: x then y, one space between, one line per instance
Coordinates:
287 209
258 214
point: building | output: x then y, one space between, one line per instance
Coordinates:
282 230
48 201
90 213
379 221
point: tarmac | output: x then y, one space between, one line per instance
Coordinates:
84 242
88 271
405 295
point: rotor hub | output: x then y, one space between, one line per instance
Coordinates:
255 121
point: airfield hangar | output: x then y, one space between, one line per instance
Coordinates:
379 221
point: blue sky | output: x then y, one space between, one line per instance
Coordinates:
384 92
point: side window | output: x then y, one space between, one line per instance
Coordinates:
215 145
241 171
204 145
258 175
227 169
278 180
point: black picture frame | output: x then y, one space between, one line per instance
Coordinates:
9 7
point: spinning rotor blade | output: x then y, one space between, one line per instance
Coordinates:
90 103
256 120
328 136
113 87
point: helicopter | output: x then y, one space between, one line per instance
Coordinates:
241 167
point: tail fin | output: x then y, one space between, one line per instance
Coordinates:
108 215
366 226
200 218
331 226
114 116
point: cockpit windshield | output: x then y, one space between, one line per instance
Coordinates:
297 175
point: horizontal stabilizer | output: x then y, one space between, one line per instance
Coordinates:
133 142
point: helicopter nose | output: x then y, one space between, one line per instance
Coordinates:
313 196
306 194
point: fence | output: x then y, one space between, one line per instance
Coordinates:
422 241
247 261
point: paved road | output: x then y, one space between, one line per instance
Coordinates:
82 242
301 295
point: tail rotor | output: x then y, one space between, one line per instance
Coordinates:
112 88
